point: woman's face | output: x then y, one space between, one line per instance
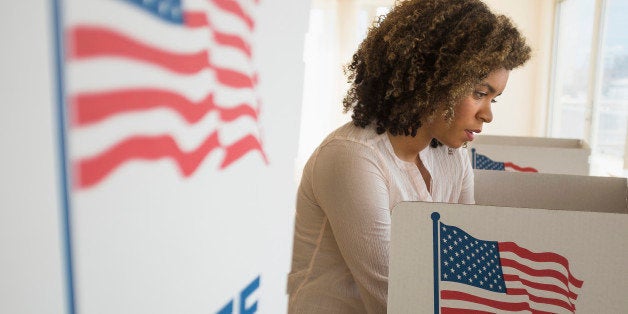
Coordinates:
471 112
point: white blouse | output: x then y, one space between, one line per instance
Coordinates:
342 227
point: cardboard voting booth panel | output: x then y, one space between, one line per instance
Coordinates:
448 257
151 155
551 191
534 242
530 154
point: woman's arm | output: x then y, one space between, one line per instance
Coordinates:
351 189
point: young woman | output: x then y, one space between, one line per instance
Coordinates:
423 82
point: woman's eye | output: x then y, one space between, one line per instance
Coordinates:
479 95
493 100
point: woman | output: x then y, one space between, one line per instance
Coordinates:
423 82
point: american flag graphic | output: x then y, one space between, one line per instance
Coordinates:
480 161
154 80
479 276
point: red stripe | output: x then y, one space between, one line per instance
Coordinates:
234 41
89 42
234 8
540 257
92 170
518 168
542 286
500 305
195 19
240 148
542 300
234 79
93 107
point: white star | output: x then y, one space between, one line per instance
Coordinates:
444 251
445 263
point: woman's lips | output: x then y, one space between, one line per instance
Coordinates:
471 134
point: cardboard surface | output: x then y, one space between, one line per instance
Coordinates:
551 191
593 244
545 155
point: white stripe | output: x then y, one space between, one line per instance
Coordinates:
113 74
108 74
474 306
90 141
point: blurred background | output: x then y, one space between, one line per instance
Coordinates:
575 85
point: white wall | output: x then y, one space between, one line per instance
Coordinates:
522 109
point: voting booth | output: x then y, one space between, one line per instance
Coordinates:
148 163
561 254
530 154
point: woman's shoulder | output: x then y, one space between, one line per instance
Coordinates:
351 133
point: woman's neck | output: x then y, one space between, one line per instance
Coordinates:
407 148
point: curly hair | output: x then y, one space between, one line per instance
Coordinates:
424 56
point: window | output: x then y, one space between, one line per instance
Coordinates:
590 80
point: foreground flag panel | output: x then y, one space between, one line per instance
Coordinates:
479 276
480 161
160 80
